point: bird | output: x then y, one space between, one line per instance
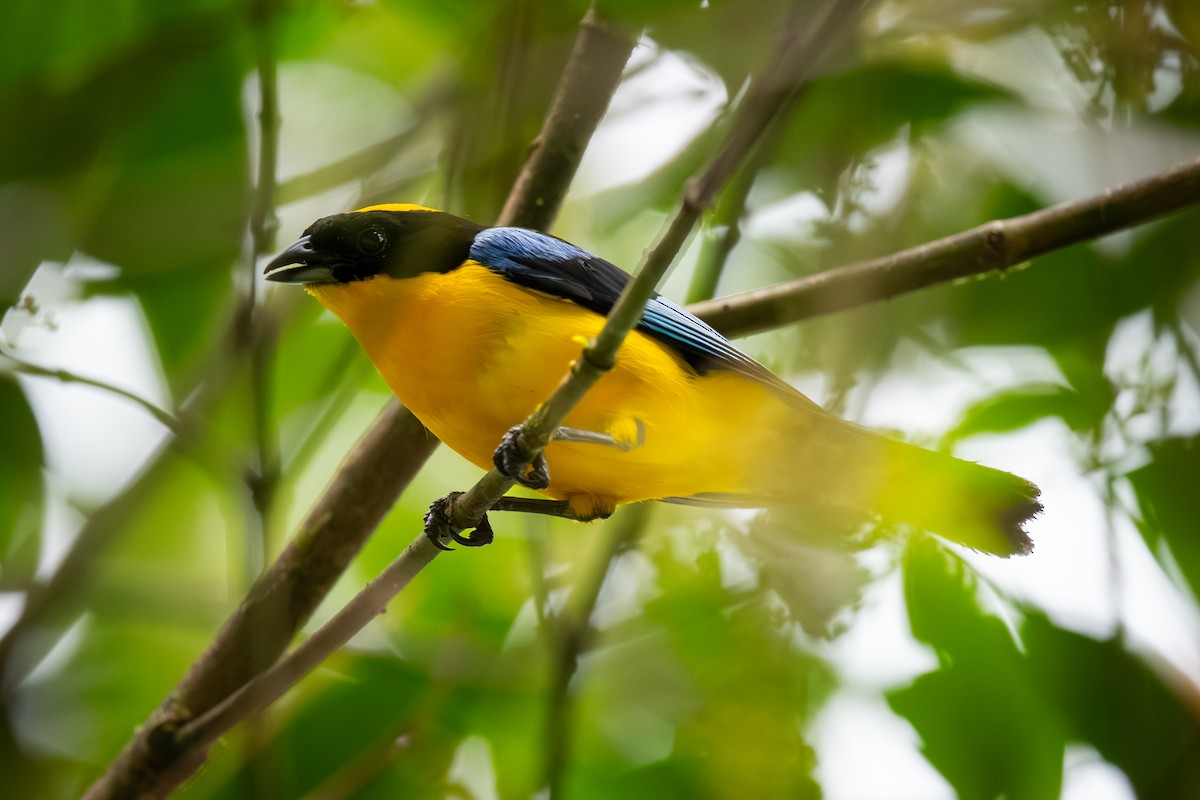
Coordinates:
473 327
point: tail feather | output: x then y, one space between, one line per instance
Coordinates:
977 506
796 454
831 462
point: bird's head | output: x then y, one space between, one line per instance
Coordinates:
397 241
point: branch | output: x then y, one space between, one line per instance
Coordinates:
195 737
375 472
166 418
993 246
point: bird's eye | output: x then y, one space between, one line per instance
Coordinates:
371 242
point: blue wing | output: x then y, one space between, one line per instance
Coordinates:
543 262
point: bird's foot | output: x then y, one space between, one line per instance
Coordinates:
512 460
438 527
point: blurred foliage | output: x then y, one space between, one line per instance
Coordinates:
973 713
1168 520
21 492
718 640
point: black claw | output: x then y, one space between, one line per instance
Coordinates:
439 527
511 461
482 535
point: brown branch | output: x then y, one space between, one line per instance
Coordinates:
374 474
994 246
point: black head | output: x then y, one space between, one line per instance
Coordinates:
397 241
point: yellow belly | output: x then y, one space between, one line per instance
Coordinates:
471 355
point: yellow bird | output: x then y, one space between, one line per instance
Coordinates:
472 327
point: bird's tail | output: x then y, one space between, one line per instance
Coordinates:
977 506
841 464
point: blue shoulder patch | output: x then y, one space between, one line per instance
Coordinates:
543 262
504 249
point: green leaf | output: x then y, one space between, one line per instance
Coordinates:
1115 702
1160 267
21 487
76 90
1166 492
185 309
93 87
1024 406
980 721
1063 300
35 229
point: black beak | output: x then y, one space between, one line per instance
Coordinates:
300 263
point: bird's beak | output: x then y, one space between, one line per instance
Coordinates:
300 263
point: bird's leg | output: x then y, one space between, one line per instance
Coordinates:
594 437
438 526
550 508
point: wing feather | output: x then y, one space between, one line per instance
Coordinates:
551 265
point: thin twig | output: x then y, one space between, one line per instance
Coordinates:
996 245
166 418
263 480
47 603
196 736
768 99
387 457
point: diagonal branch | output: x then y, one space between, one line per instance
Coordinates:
994 246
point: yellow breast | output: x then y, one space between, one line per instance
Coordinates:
472 354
